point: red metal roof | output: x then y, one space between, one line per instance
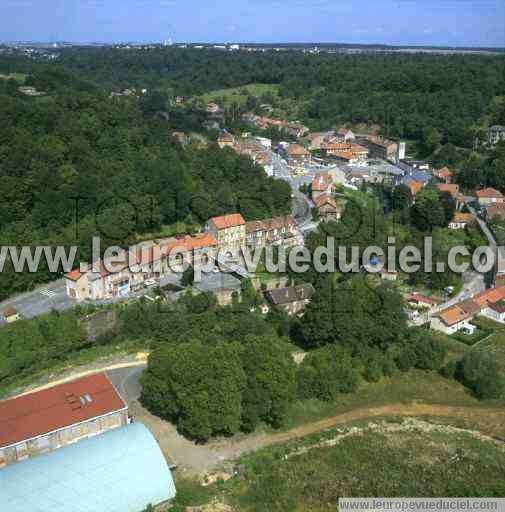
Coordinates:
28 416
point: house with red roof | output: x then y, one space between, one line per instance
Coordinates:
322 184
229 231
328 208
488 196
444 174
43 421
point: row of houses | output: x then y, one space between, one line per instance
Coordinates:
145 264
490 303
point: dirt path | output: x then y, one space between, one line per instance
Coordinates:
488 421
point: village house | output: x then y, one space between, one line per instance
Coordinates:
388 275
422 301
179 99
227 230
225 139
97 281
488 196
347 150
411 164
298 155
11 314
314 141
415 187
344 135
292 300
328 209
321 184
46 420
294 129
181 138
213 108
461 220
382 148
453 190
496 134
275 231
349 159
452 320
495 210
445 174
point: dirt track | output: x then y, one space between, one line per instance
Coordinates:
198 459
488 421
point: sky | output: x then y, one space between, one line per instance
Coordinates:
417 22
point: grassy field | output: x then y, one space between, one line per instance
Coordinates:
239 94
391 457
415 386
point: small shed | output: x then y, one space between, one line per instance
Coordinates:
11 314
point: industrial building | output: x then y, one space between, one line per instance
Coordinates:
122 470
46 420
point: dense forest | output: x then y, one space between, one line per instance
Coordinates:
409 95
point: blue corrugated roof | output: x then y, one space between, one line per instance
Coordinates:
122 470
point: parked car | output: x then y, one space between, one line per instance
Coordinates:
150 282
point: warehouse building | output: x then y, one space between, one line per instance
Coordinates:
122 470
43 421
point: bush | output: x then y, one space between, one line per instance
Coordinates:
325 373
480 372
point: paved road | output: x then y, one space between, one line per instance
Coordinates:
41 300
302 205
126 381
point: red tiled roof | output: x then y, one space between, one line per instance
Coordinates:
462 217
10 311
417 297
415 186
443 173
453 315
490 296
451 188
488 192
196 242
286 221
321 183
75 275
228 221
325 199
297 150
35 414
